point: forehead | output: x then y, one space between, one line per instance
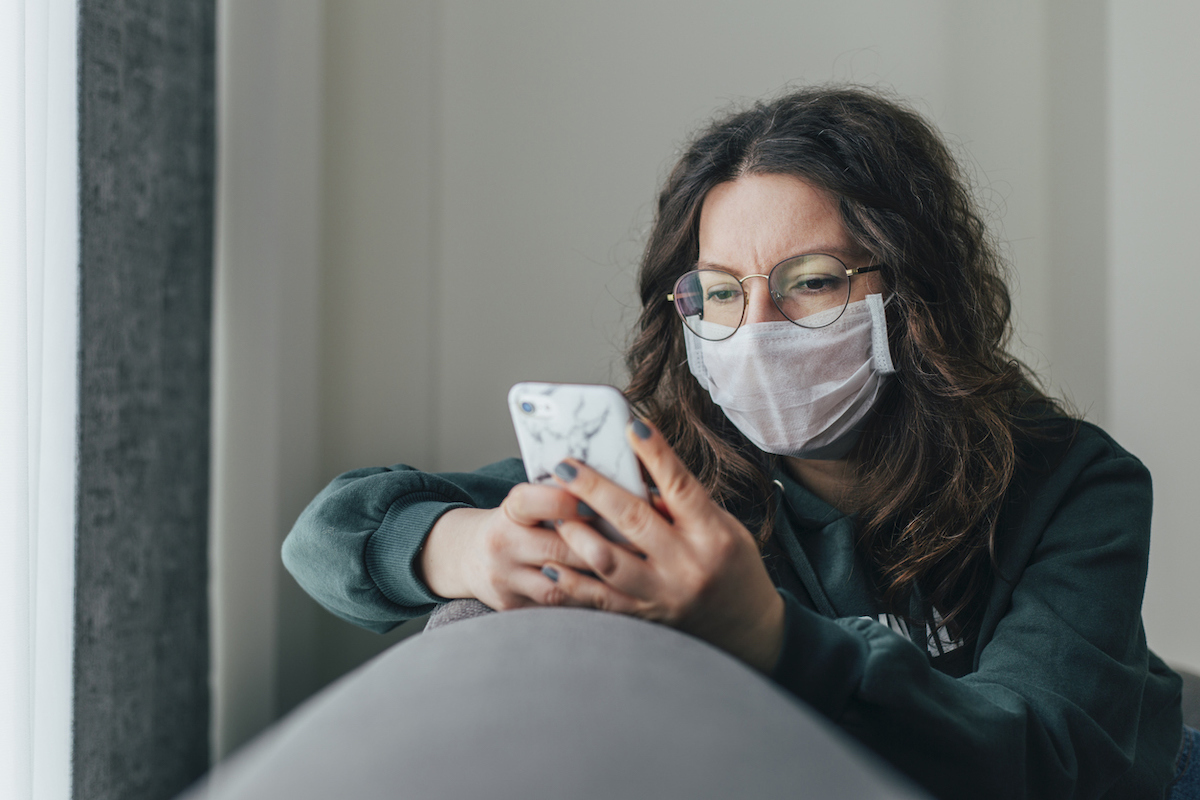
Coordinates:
754 222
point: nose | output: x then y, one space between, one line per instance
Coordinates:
759 306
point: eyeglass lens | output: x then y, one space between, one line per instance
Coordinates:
810 290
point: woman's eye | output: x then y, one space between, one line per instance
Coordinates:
810 284
721 294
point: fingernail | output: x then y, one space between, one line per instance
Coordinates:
640 429
585 510
565 471
550 572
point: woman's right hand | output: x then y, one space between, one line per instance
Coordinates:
496 555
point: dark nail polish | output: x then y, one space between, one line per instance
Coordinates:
641 429
551 573
585 510
565 471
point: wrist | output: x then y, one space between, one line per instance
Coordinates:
764 643
443 562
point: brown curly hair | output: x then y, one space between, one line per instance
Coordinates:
936 460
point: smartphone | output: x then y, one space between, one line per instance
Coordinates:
582 421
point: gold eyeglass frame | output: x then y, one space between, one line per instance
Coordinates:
850 273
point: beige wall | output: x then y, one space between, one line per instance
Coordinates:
424 202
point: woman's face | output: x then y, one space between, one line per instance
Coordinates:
749 225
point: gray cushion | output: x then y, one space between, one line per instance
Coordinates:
554 703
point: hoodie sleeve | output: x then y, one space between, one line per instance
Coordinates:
1065 699
353 548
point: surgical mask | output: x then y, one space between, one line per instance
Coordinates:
800 392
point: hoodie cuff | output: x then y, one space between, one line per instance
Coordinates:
821 662
392 550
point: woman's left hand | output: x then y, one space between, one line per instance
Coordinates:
702 571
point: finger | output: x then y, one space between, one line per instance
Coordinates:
611 563
506 596
533 586
531 504
659 504
581 590
535 546
683 496
632 516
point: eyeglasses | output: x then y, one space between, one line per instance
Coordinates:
811 290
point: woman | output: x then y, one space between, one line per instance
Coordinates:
859 492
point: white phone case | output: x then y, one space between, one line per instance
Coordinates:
583 421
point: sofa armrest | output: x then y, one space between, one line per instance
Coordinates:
554 703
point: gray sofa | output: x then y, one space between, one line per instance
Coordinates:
552 703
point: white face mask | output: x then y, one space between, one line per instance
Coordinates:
800 392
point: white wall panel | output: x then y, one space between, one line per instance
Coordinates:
379 260
266 428
1154 280
995 114
1077 174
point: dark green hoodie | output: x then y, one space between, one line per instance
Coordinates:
1058 695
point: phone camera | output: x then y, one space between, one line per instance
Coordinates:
527 407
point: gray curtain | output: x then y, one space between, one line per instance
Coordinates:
146 165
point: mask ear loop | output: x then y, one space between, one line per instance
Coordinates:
879 338
695 357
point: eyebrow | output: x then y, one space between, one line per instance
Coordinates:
831 250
